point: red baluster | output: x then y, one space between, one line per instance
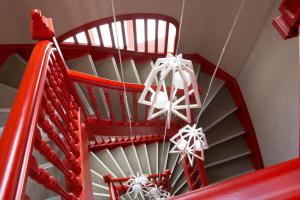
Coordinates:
108 101
135 107
53 135
94 102
41 176
56 120
123 108
51 156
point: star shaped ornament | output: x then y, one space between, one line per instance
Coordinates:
137 184
176 99
157 193
191 142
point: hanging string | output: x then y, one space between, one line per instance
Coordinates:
171 98
122 72
180 25
220 58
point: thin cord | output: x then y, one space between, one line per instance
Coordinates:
170 108
220 58
122 73
180 25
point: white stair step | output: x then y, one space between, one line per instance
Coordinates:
229 169
143 69
222 106
203 81
96 177
120 156
153 156
99 188
12 70
225 130
225 150
129 71
143 158
9 93
163 153
105 69
86 65
133 160
4 112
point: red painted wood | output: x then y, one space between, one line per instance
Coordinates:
288 21
94 102
17 138
41 27
49 182
84 160
124 143
277 182
51 156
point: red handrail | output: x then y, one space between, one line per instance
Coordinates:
276 182
17 139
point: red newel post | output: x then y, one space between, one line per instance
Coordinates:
41 27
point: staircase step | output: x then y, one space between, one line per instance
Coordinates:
142 155
225 151
163 155
130 72
225 130
229 169
133 160
118 154
144 70
9 93
12 70
220 108
153 157
4 112
105 69
98 188
86 65
204 80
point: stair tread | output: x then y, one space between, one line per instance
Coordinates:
221 106
105 69
9 93
204 80
225 150
143 158
129 73
12 70
229 169
132 159
152 148
144 70
117 153
227 128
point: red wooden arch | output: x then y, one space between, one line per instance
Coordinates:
163 36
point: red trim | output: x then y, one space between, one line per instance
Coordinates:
288 21
122 19
85 176
17 139
276 182
125 141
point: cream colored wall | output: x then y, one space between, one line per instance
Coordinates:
205 26
270 85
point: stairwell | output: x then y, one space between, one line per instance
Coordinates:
229 154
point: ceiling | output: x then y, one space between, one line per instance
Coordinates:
205 26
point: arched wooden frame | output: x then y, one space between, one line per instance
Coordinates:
156 44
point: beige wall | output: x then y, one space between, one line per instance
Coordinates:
270 85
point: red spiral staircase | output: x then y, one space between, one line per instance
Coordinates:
52 100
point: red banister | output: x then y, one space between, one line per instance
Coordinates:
17 139
277 182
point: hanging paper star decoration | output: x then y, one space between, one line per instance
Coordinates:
191 142
137 184
161 100
157 193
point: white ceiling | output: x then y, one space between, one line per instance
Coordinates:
205 26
